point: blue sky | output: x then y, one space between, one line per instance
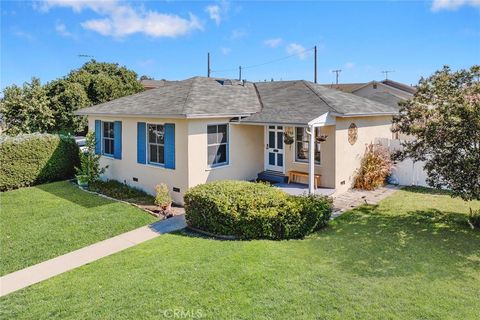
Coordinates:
171 39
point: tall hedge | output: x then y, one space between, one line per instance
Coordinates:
254 211
30 159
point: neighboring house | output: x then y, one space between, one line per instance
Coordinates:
189 132
387 92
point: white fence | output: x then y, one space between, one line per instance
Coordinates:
407 172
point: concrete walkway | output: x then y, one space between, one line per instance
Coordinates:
23 278
354 198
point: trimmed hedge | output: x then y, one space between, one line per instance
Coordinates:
254 211
30 159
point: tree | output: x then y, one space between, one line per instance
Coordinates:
65 98
105 81
443 118
37 108
26 109
145 77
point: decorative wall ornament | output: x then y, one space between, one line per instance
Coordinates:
288 136
352 133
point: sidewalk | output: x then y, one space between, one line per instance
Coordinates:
354 198
23 278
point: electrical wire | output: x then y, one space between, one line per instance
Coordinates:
264 63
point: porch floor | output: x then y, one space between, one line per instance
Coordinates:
296 189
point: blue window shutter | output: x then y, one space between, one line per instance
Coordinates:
98 136
117 142
141 142
169 150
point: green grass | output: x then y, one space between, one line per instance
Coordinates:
120 191
42 222
412 257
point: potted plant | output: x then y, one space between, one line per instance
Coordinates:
82 180
163 199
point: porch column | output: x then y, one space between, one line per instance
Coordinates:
311 160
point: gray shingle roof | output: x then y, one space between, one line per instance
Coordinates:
288 102
298 102
192 97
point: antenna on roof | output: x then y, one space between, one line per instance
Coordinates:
337 72
82 55
315 64
386 72
240 73
208 65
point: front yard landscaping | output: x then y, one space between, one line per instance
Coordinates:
45 221
412 257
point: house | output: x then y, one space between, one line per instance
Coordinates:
189 132
387 91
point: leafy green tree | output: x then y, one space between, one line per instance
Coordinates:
26 109
37 108
105 81
65 98
443 119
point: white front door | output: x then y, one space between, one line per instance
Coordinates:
274 156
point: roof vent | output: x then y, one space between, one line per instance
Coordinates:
225 82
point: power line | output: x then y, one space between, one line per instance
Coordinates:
265 63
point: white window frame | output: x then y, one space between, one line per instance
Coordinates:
157 144
295 158
227 143
108 138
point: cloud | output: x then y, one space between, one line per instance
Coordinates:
214 13
273 43
238 34
349 65
438 5
119 19
62 30
225 51
298 50
217 12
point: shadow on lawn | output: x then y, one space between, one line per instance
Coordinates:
68 191
427 243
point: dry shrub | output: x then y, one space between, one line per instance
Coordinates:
375 167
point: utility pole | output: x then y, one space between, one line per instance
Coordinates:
208 64
240 73
315 64
337 72
386 72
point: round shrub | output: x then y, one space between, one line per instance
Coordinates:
254 210
30 159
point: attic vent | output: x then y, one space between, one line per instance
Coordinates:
225 82
374 85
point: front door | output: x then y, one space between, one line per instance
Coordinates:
274 148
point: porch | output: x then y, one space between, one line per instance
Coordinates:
296 189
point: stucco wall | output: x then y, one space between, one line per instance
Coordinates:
327 159
125 169
348 156
245 152
245 157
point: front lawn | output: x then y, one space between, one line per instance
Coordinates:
412 257
45 221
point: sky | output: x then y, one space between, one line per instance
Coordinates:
270 40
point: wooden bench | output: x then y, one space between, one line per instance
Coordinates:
293 175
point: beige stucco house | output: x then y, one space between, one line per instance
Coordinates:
189 132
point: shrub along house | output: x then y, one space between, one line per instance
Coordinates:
189 132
